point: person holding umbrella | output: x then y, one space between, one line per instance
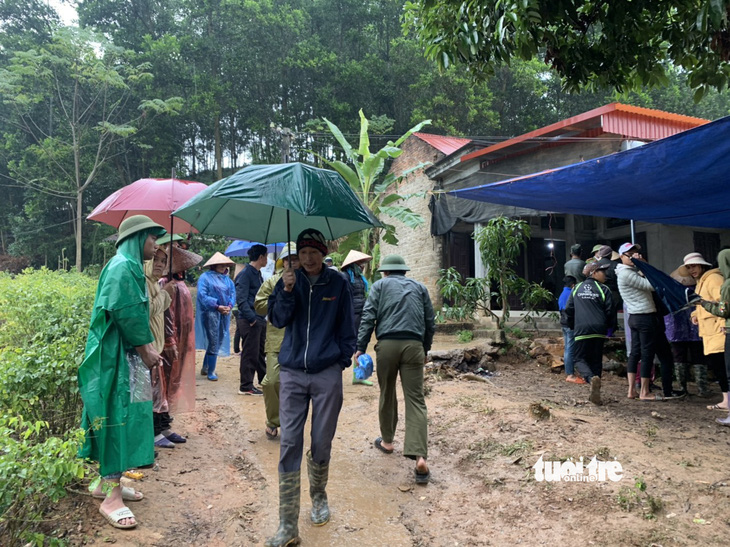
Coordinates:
216 297
119 351
314 304
711 326
721 308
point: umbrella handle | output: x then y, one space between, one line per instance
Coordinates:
172 220
288 234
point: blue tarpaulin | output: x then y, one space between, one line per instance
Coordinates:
675 296
683 179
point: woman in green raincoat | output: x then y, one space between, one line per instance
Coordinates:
114 378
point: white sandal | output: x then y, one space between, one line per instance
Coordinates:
128 494
115 517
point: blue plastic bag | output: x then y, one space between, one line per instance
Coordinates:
364 368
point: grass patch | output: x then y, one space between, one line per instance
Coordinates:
474 403
488 449
634 497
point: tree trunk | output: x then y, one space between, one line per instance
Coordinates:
218 147
79 221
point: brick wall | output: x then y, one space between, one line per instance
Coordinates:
421 252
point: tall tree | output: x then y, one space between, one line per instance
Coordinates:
71 103
621 44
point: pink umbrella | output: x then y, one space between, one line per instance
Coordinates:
156 198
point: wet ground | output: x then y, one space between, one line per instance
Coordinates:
221 487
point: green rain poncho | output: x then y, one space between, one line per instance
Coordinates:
119 431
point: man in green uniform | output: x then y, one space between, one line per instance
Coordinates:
400 311
114 378
274 338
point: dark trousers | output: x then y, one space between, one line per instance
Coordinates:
161 421
296 391
588 357
253 355
716 363
647 340
236 336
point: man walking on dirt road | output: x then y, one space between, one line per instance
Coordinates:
314 303
400 311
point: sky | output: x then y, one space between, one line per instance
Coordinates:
66 11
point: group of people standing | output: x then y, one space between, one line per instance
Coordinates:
299 331
693 338
139 365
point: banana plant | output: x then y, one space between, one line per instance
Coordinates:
365 174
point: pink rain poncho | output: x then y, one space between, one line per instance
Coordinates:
181 324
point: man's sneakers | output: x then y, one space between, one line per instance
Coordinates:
595 396
252 391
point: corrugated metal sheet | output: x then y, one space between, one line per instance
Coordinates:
691 121
447 145
616 118
640 126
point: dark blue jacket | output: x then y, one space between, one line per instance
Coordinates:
319 321
248 283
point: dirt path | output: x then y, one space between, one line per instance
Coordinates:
221 487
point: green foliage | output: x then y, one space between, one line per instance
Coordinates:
44 318
35 469
72 97
500 242
239 67
367 176
622 44
465 298
465 336
630 498
516 332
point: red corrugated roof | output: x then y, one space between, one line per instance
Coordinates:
447 145
620 119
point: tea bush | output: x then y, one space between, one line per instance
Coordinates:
34 471
44 320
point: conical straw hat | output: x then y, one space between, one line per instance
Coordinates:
355 256
219 258
682 275
183 260
239 269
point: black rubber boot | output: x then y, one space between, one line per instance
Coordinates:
701 380
680 373
318 475
289 492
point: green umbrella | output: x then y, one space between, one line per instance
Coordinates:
267 203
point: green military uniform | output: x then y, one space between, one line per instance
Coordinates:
274 338
399 309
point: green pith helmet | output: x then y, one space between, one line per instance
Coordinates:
135 224
166 238
393 263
